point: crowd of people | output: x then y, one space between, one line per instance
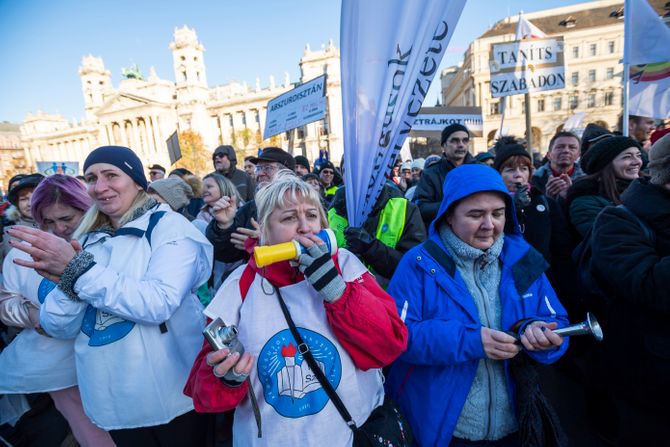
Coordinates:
429 324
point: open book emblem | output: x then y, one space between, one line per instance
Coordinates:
289 384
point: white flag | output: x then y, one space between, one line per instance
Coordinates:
649 55
647 35
526 30
391 50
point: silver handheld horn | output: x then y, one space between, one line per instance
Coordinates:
588 326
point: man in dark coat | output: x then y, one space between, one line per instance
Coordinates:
362 241
428 195
225 162
632 266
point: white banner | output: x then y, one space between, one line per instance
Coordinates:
437 122
58 167
527 66
391 50
304 104
649 90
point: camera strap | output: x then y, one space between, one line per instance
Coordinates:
307 355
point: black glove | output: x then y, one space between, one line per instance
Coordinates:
522 196
358 240
319 269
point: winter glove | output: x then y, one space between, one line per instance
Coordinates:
522 196
358 240
320 271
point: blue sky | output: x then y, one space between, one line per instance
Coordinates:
43 41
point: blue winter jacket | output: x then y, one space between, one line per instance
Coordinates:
431 380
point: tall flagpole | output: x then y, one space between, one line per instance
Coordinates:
627 13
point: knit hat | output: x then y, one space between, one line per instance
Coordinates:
659 161
302 161
121 157
592 134
483 156
418 163
277 155
26 181
451 128
326 165
509 150
176 192
604 151
406 166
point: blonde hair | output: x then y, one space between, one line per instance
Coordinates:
94 219
285 189
226 187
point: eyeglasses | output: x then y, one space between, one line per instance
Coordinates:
153 173
266 168
218 155
327 172
455 140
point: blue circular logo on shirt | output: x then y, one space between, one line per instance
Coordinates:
289 385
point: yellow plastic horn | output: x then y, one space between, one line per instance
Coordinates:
269 254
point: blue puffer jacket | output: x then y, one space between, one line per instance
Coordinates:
431 380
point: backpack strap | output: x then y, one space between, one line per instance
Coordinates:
153 221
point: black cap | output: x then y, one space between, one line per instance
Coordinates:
451 128
26 181
302 161
604 151
276 155
592 134
509 150
483 156
157 167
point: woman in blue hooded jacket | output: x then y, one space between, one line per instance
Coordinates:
459 293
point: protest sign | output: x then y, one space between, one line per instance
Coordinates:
434 119
527 66
302 105
58 167
174 151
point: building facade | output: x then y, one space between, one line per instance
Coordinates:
142 113
12 153
593 39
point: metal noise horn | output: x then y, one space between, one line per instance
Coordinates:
588 326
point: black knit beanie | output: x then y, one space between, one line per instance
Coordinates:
509 150
604 151
451 128
121 157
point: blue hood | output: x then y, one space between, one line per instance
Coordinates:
468 179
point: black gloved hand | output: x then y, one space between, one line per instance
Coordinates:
358 240
522 196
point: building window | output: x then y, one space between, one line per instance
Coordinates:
591 100
257 117
592 76
610 46
610 73
558 103
575 77
593 49
609 98
495 108
540 105
574 102
183 75
575 52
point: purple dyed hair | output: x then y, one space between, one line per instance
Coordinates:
61 189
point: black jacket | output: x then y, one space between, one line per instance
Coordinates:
381 258
634 272
428 193
224 251
245 185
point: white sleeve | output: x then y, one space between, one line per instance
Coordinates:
173 274
60 316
